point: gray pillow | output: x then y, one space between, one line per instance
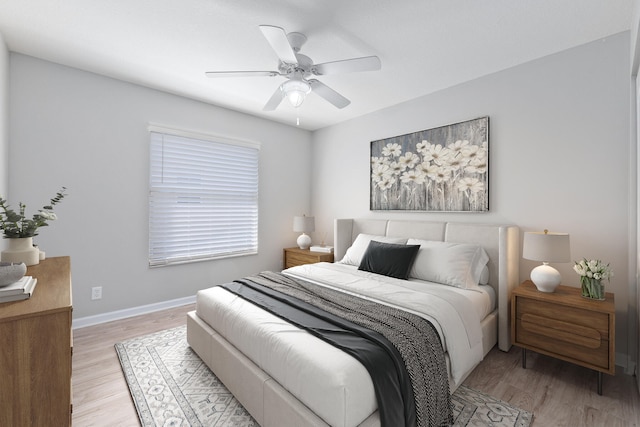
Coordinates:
389 259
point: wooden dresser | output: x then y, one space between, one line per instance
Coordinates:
297 256
565 325
35 350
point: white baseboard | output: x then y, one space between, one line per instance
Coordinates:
83 322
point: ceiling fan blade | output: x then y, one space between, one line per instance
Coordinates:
367 63
277 38
329 94
241 73
274 101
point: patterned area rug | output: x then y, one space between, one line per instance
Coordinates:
172 387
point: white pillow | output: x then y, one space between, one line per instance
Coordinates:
484 276
356 251
453 264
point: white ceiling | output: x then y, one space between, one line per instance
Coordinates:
424 45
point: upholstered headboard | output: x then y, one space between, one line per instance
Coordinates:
500 241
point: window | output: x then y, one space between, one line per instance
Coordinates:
203 197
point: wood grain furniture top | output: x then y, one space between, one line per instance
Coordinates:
51 293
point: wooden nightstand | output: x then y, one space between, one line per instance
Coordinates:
297 256
565 325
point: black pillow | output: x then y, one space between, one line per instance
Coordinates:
389 259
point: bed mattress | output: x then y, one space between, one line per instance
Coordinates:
331 383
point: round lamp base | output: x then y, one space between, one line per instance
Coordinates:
546 278
304 241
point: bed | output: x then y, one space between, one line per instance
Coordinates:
285 376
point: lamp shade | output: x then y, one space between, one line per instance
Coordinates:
546 246
304 224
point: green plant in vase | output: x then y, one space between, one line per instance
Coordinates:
19 230
16 225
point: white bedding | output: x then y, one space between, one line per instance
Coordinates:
338 388
483 297
455 313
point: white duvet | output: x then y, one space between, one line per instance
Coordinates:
455 313
331 383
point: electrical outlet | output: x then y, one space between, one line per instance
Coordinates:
96 292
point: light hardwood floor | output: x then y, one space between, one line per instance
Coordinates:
100 393
558 393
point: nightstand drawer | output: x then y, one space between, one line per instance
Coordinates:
571 332
294 259
295 256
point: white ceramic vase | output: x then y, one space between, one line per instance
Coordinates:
21 250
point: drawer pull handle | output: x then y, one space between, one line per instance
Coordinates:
563 331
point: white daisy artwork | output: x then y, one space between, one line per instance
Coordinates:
445 169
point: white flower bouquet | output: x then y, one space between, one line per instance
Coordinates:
592 273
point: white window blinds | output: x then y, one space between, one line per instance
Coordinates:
203 197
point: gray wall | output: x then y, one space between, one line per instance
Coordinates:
89 133
559 155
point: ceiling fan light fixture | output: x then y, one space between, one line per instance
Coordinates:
295 91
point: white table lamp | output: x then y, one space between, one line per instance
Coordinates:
546 247
304 224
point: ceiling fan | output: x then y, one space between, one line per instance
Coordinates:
298 68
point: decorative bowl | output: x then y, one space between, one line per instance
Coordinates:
11 272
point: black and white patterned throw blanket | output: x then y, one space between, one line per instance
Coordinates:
414 338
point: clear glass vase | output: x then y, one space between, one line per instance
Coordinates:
592 288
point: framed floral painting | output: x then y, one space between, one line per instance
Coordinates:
445 169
